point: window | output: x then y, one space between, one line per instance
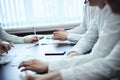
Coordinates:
26 13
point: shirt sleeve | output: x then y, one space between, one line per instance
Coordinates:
100 37
80 29
69 62
99 69
87 41
108 38
10 38
76 33
74 37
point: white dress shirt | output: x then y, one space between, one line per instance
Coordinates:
102 38
76 33
102 31
99 69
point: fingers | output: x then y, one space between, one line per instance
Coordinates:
27 65
1 51
8 47
32 39
35 39
24 64
11 45
5 48
26 68
55 36
55 33
60 35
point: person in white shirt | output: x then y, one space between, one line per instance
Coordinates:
96 35
5 38
107 68
94 66
76 33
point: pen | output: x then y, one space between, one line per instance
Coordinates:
34 31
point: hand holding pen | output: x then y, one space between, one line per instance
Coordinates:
32 39
36 38
34 31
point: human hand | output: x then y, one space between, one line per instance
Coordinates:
34 77
5 47
55 75
32 39
34 65
73 53
59 35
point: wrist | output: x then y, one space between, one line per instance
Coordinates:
44 68
25 40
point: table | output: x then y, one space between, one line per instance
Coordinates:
10 71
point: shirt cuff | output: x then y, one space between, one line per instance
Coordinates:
74 37
21 40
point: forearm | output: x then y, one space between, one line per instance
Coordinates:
70 62
106 68
88 71
11 38
86 43
81 29
74 37
76 33
83 46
